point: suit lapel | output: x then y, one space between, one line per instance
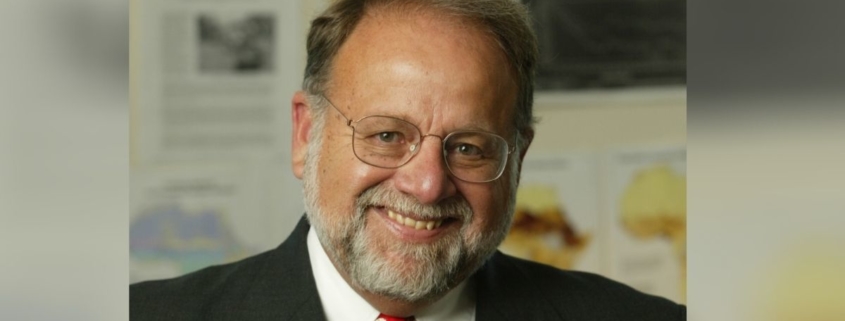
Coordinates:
284 287
504 292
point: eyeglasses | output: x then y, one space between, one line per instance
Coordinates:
390 142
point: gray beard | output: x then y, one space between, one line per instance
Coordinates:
427 271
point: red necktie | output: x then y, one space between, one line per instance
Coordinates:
385 317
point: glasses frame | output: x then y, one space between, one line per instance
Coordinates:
351 123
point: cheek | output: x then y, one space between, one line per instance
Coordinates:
489 205
343 177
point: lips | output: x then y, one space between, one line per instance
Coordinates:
412 223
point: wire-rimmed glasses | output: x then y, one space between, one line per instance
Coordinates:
390 142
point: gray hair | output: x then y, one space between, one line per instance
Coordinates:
507 21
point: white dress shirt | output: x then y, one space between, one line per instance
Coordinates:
341 303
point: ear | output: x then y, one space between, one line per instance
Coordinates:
529 137
301 120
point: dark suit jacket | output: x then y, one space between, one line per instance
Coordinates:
279 285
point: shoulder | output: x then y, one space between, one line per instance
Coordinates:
185 297
577 295
274 285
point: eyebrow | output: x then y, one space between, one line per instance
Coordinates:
407 117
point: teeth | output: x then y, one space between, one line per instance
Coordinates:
409 222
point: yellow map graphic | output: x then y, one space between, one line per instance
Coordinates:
655 205
541 231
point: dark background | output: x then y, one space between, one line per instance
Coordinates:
610 43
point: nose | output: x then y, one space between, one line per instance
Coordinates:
426 176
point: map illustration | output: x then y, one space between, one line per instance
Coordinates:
169 241
655 206
542 231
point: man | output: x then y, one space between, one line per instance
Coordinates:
408 136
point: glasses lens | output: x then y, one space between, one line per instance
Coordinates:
384 141
390 142
476 156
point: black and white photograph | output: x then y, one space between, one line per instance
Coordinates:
236 43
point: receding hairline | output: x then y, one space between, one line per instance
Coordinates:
393 11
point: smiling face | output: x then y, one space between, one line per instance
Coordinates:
413 232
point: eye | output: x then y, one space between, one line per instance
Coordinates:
468 150
389 137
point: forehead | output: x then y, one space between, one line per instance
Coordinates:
426 67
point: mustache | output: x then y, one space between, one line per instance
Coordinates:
456 207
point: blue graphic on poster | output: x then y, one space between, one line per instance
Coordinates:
183 241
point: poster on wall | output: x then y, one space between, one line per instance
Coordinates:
212 79
556 219
218 83
646 211
211 84
184 218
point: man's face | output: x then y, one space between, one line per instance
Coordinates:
441 76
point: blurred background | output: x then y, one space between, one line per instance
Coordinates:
764 137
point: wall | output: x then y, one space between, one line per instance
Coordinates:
605 119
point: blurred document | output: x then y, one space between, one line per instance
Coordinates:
647 214
212 78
